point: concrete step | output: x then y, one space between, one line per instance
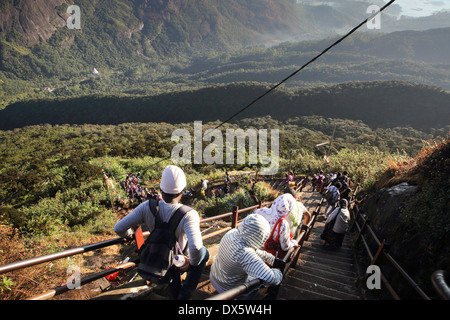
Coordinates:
328 260
301 289
316 244
324 269
327 252
345 286
304 290
288 292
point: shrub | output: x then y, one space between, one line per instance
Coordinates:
217 205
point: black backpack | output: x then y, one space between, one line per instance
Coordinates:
158 251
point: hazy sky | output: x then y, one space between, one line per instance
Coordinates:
419 8
414 8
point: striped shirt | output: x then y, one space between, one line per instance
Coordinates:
239 258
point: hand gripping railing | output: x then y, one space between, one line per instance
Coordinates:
290 259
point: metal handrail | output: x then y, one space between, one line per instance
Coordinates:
365 226
58 255
91 247
65 288
439 279
233 293
70 252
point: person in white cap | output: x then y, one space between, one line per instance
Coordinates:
173 184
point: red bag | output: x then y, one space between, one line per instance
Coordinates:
113 276
273 246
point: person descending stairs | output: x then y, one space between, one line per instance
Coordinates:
322 272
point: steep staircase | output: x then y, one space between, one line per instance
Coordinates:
322 272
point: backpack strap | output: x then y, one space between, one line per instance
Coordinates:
177 216
174 220
153 204
154 209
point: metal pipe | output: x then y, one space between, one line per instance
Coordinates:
215 233
233 293
406 276
64 288
224 215
90 247
438 279
58 255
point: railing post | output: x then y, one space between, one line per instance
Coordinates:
382 247
235 215
356 213
363 227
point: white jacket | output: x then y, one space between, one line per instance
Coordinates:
341 224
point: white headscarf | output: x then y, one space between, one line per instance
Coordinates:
284 206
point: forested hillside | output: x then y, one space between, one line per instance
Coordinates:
79 105
63 163
142 47
378 104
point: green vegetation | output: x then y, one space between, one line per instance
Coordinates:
143 50
383 104
427 212
54 173
166 64
53 193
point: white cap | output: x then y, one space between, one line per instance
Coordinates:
173 180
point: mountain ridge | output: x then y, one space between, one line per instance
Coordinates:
378 104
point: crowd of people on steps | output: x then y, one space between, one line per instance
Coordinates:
253 250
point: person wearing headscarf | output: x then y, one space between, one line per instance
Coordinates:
292 211
239 258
